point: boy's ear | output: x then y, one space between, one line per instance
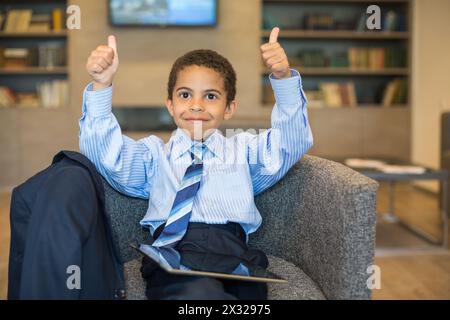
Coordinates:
230 110
169 106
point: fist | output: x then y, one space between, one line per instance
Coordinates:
103 63
274 56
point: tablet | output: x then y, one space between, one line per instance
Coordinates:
214 265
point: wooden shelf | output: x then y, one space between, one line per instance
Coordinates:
34 70
329 71
27 2
335 1
16 108
338 34
359 107
50 34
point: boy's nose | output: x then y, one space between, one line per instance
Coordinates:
196 107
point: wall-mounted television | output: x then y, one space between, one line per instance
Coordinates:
163 13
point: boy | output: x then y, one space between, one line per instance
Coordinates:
200 185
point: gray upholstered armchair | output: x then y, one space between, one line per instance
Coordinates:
318 231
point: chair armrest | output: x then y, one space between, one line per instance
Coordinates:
321 216
123 214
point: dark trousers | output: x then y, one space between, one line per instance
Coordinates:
202 245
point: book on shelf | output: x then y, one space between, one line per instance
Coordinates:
314 58
45 56
338 95
348 94
18 20
393 21
355 57
344 24
15 58
7 97
339 60
40 23
395 57
24 20
315 99
395 92
314 21
372 58
57 19
331 94
49 94
2 19
376 58
319 21
50 56
390 92
27 100
53 94
390 21
402 96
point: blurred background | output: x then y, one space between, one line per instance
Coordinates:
374 95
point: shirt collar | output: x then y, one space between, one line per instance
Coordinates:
180 143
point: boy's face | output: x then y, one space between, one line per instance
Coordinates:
199 101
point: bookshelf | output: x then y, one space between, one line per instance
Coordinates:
338 1
34 70
328 42
30 34
33 55
338 34
348 71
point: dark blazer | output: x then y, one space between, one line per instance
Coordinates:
58 219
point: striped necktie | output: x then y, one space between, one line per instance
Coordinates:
176 225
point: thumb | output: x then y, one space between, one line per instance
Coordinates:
112 43
274 35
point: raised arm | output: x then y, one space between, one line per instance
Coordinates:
126 164
272 153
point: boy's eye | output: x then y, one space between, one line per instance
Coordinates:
211 96
184 95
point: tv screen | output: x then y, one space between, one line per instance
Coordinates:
191 13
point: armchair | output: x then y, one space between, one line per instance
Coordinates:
318 231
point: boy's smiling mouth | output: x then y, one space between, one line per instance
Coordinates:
195 119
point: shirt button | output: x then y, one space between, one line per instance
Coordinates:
119 294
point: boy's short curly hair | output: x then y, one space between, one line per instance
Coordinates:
209 59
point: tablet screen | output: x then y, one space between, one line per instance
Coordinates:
209 264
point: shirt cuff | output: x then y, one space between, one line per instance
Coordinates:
99 102
288 91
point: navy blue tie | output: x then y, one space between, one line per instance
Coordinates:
176 225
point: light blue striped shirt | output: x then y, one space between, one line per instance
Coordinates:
235 168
